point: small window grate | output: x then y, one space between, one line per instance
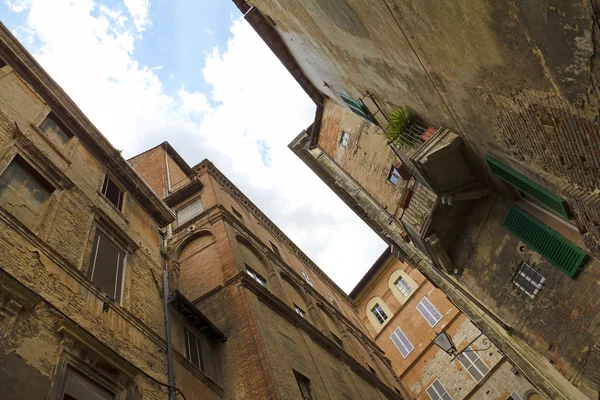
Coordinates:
528 280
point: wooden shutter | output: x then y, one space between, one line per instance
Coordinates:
559 251
529 187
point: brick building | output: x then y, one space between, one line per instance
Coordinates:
403 312
467 136
95 248
287 324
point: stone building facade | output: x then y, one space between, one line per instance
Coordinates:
403 312
492 188
95 249
287 324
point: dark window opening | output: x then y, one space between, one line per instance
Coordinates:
80 387
2 63
237 213
304 385
106 267
53 129
112 192
275 249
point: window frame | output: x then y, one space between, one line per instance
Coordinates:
403 286
472 363
299 311
394 173
402 342
439 396
187 205
335 304
187 333
121 198
345 139
123 263
237 213
307 279
52 116
515 396
424 301
256 276
275 248
380 313
304 386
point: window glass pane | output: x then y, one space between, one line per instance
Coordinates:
194 350
54 131
106 266
23 190
79 387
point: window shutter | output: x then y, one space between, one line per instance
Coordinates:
529 187
559 251
358 108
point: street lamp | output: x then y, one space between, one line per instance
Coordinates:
444 342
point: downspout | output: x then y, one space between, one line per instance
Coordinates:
171 376
167 169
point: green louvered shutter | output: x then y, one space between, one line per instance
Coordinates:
529 187
358 108
558 250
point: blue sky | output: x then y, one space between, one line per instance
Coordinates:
196 74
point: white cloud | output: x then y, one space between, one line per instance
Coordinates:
139 10
254 109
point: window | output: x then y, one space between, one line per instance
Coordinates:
394 176
528 280
106 267
515 396
335 304
402 343
256 276
304 385
189 211
307 279
275 249
473 364
300 311
54 131
403 286
237 213
79 387
2 63
112 192
379 313
437 392
345 138
23 190
192 347
429 312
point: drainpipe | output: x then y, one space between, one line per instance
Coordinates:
171 377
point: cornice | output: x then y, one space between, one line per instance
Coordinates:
235 192
28 69
319 337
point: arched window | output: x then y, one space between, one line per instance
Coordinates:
378 313
199 265
401 285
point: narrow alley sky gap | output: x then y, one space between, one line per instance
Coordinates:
196 74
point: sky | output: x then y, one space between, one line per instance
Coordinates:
193 72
